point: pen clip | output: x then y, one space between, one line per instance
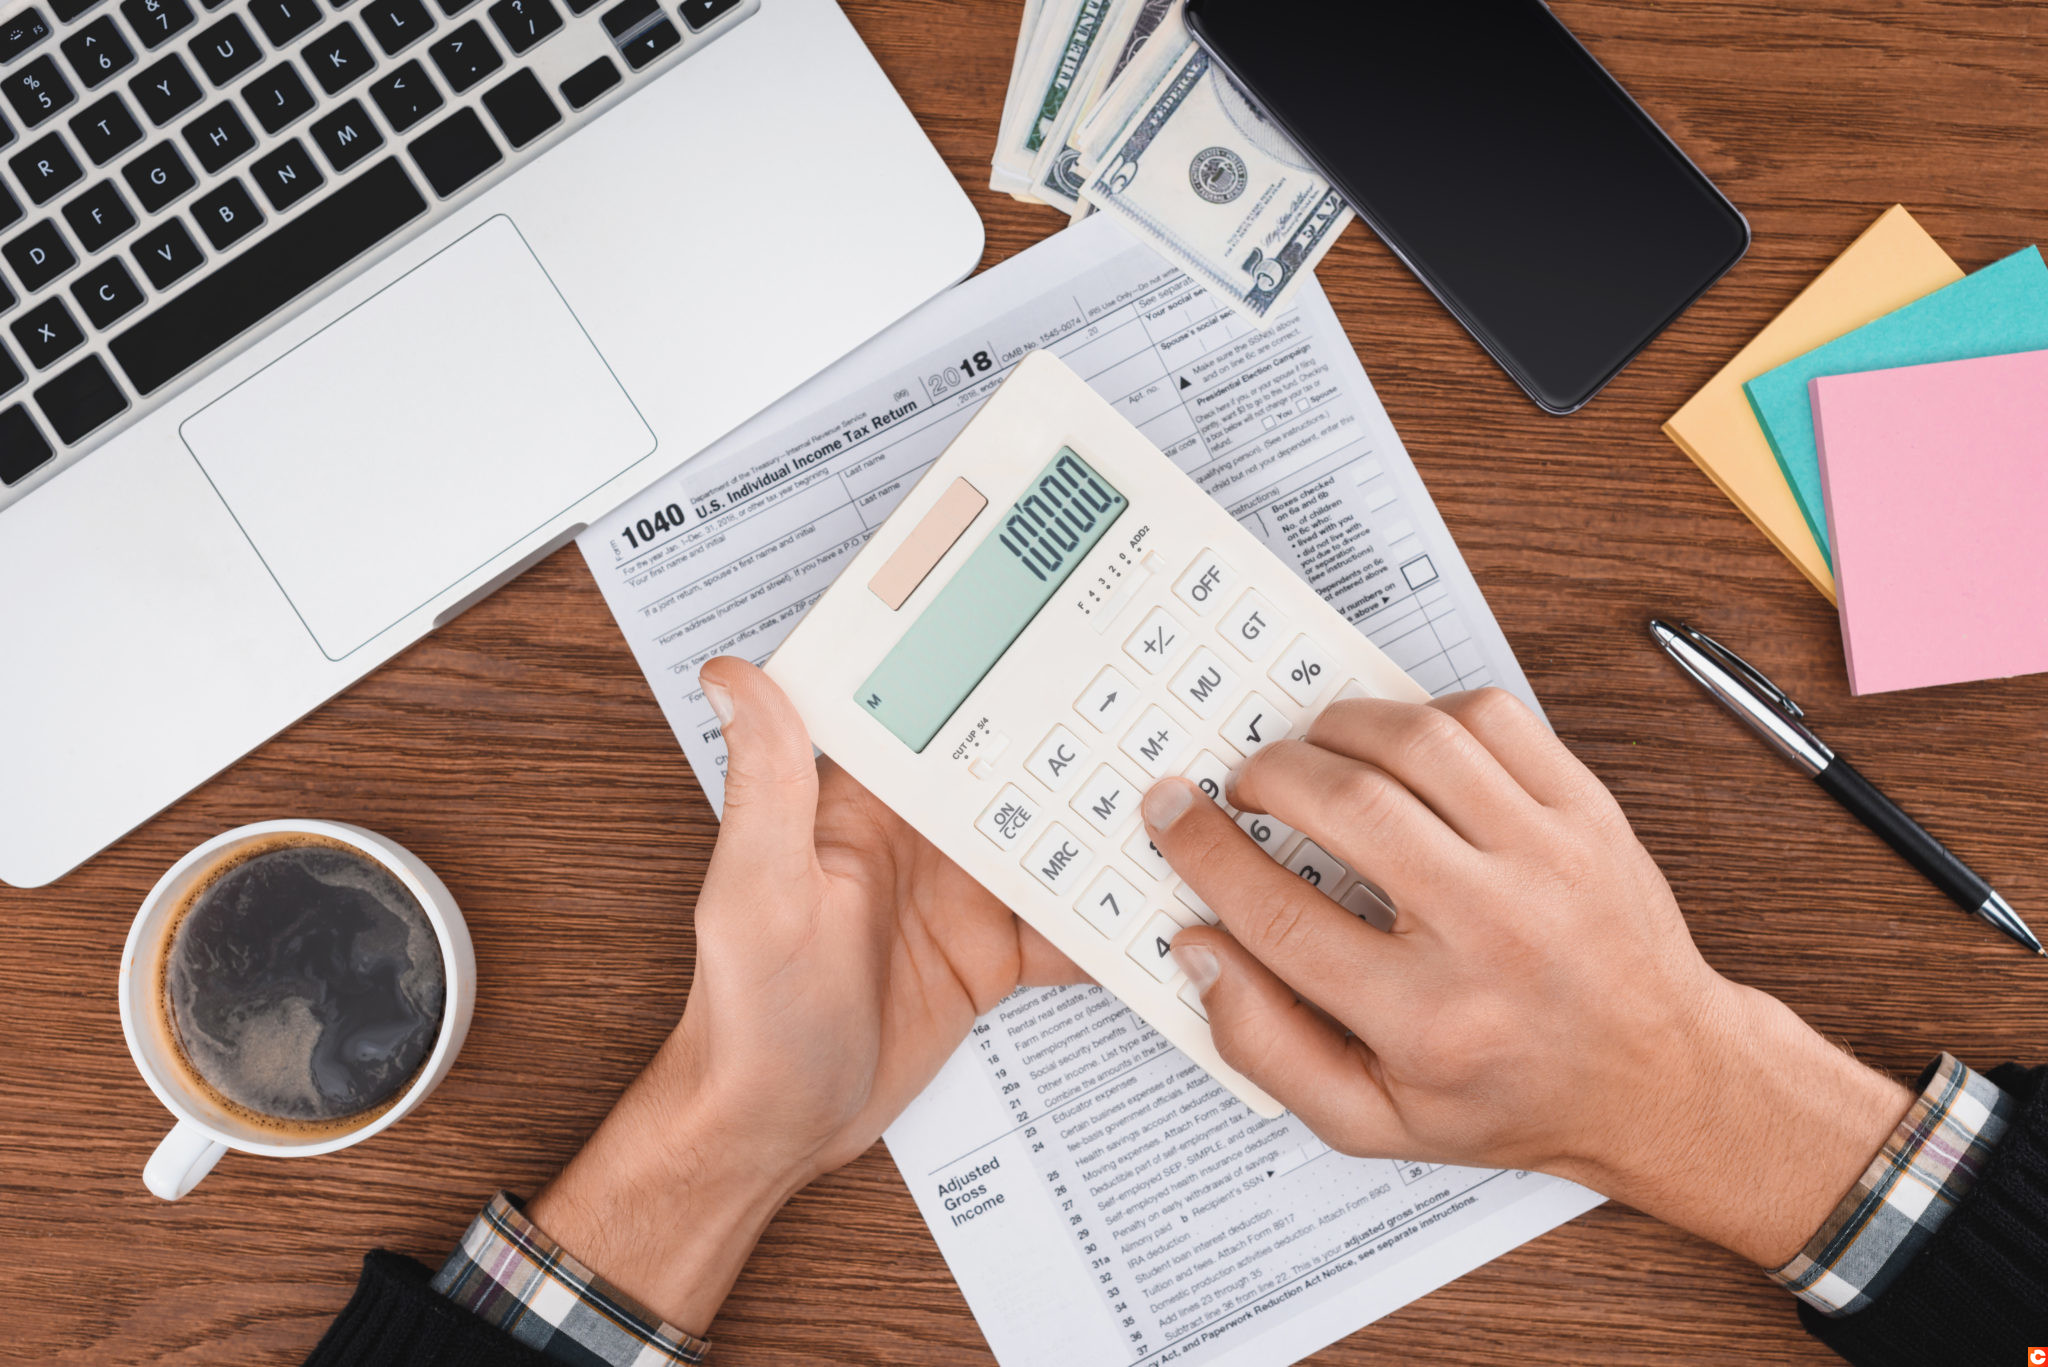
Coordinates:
1728 659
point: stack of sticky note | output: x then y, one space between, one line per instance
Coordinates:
1868 435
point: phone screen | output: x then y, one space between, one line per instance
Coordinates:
1514 175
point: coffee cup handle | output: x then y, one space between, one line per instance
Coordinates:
186 1155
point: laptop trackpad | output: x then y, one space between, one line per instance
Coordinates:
418 437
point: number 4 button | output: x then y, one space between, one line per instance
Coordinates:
1110 904
1152 948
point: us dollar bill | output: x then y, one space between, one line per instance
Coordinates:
1056 172
1220 190
1067 31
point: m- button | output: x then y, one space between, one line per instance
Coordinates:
1207 580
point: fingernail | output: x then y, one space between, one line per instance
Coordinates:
720 700
1199 962
1165 803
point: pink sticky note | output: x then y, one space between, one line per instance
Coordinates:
1936 484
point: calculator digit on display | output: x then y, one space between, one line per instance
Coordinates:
1054 619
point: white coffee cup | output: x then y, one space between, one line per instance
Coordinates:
206 1129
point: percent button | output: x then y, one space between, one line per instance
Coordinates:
1303 671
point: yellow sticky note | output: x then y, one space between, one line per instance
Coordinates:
1893 263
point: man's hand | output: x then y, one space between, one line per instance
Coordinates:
840 960
1537 1003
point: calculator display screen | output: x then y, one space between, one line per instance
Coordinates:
997 592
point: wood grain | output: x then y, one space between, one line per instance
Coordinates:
520 754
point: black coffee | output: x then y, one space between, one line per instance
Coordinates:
303 986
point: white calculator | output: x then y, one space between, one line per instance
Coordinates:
1052 620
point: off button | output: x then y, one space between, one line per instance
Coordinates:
1205 583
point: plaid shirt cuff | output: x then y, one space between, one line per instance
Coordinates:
510 1274
1917 1178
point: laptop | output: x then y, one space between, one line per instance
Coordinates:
325 318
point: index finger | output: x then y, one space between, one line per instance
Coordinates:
1322 951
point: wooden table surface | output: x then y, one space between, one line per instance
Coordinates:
520 753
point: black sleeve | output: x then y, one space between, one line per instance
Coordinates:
1978 1291
396 1319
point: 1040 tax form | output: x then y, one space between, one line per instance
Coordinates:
1098 1197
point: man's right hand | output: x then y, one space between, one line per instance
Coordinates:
1538 1002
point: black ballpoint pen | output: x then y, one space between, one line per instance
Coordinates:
1739 687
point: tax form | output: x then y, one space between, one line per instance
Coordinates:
1097 1196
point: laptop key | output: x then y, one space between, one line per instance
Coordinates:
451 8
46 332
155 21
287 175
99 216
226 50
455 151
580 6
521 108
273 271
105 129
227 214
165 89
277 97
347 135
23 448
11 374
67 10
10 210
524 23
284 20
21 33
337 57
97 51
167 253
465 56
620 20
45 168
218 136
39 256
7 300
158 176
406 96
81 399
106 292
590 82
649 44
37 91
396 24
699 14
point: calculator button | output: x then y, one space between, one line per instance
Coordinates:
1255 725
1107 700
1304 671
1055 762
1191 997
1009 818
1152 949
1157 641
1251 626
1192 900
1107 799
1146 855
1203 586
1369 904
1210 775
1352 689
1317 867
1155 742
1110 904
1058 860
1205 684
1271 833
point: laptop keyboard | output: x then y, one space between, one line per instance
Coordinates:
180 172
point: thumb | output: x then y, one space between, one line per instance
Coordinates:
1292 1050
771 774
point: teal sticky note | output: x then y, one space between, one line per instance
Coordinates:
2000 309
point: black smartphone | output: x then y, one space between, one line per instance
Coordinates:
1511 173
